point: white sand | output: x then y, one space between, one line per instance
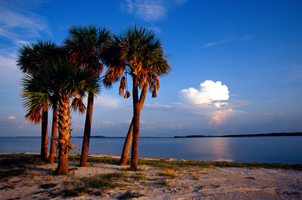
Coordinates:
189 183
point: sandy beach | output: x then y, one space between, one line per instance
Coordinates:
151 182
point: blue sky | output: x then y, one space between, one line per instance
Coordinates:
237 65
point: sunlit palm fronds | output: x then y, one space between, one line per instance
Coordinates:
85 43
139 53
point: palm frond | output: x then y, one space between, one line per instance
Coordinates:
154 86
140 53
77 104
33 102
30 57
127 94
85 43
122 86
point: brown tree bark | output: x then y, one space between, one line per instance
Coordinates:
87 131
127 145
53 135
44 134
128 140
64 136
62 168
136 121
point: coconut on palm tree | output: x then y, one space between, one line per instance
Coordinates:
29 60
85 44
139 53
67 81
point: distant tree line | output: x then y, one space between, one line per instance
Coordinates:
245 135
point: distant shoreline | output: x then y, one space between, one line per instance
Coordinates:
185 136
243 135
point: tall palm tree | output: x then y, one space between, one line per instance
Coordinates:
153 88
129 137
139 53
29 60
67 81
85 43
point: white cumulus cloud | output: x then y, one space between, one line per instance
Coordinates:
210 100
210 92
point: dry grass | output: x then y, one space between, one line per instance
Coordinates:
160 174
168 173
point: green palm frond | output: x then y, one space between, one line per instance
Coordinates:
85 44
30 57
56 79
140 53
33 103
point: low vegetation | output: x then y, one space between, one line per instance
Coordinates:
130 195
14 164
9 161
108 181
166 174
10 173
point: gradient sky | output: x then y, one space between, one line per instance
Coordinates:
237 65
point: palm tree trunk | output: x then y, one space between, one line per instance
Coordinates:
64 136
44 134
128 141
87 131
53 134
136 119
127 145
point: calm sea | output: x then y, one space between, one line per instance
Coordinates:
283 149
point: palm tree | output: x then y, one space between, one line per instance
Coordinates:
139 53
54 129
129 137
153 88
66 80
77 105
30 60
85 44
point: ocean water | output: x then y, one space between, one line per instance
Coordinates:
283 149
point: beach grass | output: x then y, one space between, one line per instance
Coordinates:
130 195
10 173
177 165
164 174
257 165
9 161
13 164
109 181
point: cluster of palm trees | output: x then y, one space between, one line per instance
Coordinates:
60 76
